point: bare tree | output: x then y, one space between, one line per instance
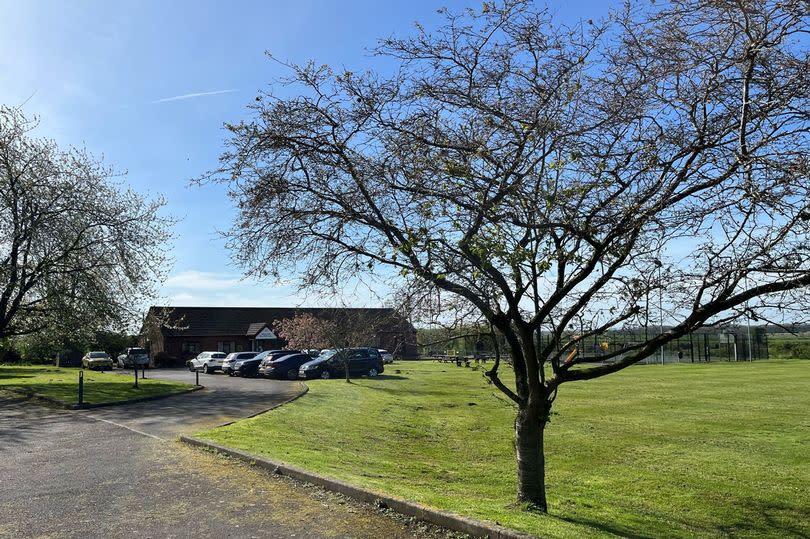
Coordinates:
558 178
78 252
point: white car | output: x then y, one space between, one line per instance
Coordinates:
207 361
232 359
386 356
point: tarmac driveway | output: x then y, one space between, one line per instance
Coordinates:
224 399
118 472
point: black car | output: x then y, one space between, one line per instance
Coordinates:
250 367
283 366
361 361
233 358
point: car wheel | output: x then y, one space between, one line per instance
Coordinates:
292 374
325 375
206 369
373 371
191 367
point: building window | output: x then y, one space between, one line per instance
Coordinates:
226 346
191 347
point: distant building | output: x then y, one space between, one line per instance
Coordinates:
187 331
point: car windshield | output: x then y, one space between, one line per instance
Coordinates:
326 354
137 351
98 354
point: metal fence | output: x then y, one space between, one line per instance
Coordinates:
703 345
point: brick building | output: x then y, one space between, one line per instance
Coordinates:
188 331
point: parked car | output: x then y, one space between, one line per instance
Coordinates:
284 366
250 367
97 360
361 361
133 358
231 359
207 361
387 356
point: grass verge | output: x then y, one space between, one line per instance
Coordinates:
653 451
99 387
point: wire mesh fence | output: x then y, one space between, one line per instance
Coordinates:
701 346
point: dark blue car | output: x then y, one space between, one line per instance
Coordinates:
361 361
284 366
250 367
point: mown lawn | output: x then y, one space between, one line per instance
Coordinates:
63 384
654 451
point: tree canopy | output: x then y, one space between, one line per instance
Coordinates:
79 252
569 179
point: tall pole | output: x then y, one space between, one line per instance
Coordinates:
661 308
748 324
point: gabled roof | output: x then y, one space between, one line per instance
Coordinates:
256 327
241 321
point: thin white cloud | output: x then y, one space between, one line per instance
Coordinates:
190 96
202 280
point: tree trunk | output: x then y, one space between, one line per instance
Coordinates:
529 427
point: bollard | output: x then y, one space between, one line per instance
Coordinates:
143 372
197 376
135 369
81 387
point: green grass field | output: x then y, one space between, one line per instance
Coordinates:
654 451
63 384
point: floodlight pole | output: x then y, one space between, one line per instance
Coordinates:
748 323
661 307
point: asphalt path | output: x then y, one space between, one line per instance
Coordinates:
119 472
223 399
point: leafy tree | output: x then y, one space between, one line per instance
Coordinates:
560 179
78 252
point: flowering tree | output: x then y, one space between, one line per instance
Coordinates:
307 331
78 252
339 329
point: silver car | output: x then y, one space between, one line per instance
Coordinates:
231 359
386 356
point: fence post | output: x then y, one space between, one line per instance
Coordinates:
81 386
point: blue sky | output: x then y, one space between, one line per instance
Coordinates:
119 78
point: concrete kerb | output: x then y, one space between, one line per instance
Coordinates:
442 518
69 406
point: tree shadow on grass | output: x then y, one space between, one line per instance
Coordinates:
769 523
389 377
26 372
621 531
